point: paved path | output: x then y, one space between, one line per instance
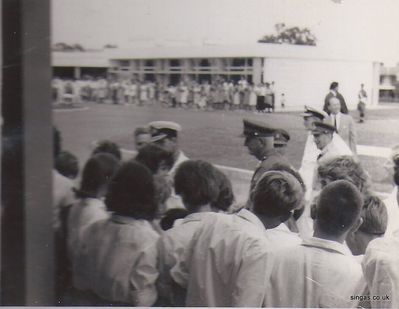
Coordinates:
374 151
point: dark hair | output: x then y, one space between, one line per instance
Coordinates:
374 215
291 170
396 174
153 156
226 194
106 146
286 168
333 85
67 164
141 130
168 132
132 192
338 207
345 168
57 141
97 173
196 182
171 216
276 194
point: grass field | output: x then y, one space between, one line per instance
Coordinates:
216 136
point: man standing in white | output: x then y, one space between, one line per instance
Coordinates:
321 272
343 123
310 153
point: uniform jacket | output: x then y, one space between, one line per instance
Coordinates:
271 158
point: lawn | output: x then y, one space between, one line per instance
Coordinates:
216 136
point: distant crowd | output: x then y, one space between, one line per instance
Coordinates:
219 94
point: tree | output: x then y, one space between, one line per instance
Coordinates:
64 47
110 46
293 35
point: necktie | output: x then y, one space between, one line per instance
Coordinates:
335 123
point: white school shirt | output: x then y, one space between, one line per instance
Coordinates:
227 260
63 196
175 201
317 273
118 261
393 212
172 247
381 269
82 214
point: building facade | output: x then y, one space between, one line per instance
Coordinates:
302 73
171 71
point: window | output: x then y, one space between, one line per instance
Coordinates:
124 63
238 62
174 62
149 63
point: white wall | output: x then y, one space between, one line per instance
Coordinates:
306 82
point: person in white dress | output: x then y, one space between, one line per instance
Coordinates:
252 97
183 98
143 93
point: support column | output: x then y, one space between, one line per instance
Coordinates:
256 70
375 87
77 72
27 248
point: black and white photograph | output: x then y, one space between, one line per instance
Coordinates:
200 153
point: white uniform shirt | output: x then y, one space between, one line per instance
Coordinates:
228 258
174 201
393 212
172 247
118 261
334 150
309 159
82 214
308 171
63 196
317 273
381 269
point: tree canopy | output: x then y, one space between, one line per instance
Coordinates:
292 35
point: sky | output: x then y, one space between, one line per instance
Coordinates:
358 27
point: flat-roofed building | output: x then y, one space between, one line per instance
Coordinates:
76 64
302 73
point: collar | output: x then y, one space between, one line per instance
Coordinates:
180 159
325 149
281 228
250 217
269 153
197 216
124 220
337 115
327 245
